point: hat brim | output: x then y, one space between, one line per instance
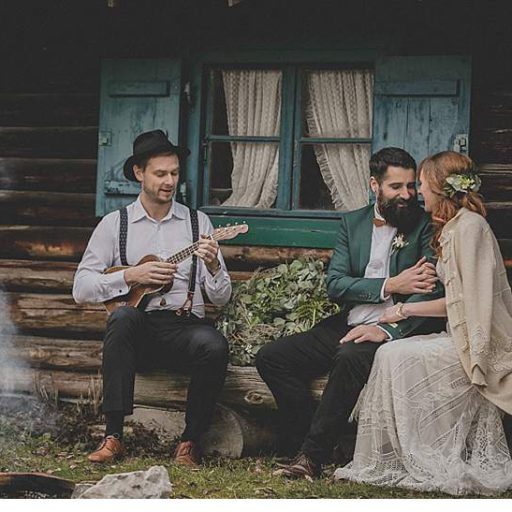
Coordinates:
181 152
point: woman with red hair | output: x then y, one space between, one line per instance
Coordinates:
430 417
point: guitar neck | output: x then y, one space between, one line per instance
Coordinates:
182 255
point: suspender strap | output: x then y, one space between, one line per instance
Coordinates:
187 306
123 234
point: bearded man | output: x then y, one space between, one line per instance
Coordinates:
382 257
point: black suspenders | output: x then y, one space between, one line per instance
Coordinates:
123 234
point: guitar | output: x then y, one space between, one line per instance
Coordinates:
140 294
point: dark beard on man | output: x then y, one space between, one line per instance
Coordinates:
405 218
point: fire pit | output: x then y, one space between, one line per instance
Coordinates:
34 485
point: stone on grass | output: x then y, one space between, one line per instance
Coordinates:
153 483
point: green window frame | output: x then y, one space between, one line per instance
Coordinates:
285 224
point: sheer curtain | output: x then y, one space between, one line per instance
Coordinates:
340 105
253 104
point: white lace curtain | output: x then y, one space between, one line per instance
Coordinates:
340 105
253 103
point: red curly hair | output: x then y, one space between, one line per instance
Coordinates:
435 169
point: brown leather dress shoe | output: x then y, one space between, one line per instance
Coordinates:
109 449
300 467
187 454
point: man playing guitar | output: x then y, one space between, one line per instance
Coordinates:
168 328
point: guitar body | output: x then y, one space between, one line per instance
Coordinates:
138 293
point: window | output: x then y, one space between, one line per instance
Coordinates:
287 141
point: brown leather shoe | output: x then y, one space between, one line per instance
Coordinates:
109 449
300 467
187 454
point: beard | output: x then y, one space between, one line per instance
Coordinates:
399 213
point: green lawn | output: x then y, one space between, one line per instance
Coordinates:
25 446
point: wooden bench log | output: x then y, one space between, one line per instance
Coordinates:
47 208
52 174
71 368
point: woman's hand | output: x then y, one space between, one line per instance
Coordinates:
393 314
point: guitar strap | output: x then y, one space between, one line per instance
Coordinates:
187 305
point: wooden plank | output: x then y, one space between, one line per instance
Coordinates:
499 216
52 276
494 146
58 175
43 243
47 208
496 182
59 142
49 109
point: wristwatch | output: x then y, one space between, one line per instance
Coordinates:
400 311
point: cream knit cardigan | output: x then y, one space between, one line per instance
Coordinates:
479 305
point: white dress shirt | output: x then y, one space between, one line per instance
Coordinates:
378 267
148 236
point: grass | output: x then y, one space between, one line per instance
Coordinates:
25 446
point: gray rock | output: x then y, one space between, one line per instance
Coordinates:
153 483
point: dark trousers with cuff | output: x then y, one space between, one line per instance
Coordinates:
138 341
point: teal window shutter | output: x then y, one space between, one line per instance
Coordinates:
137 95
422 104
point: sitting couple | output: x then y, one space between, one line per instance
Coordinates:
430 415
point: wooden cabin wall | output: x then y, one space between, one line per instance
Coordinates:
48 144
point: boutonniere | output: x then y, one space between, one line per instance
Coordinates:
399 242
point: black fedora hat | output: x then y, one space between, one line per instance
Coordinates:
149 144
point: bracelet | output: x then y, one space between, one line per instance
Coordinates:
400 311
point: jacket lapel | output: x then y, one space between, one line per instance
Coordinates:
365 232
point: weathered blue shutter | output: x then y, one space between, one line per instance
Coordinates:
422 104
136 96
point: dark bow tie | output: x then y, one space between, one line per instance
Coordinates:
378 222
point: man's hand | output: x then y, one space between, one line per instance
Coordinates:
207 251
151 272
362 333
420 278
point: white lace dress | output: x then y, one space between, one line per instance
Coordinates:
423 426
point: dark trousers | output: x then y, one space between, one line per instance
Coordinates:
289 364
138 341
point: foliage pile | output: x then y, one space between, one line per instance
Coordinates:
284 300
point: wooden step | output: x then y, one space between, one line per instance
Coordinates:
51 174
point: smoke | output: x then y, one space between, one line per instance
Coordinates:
10 365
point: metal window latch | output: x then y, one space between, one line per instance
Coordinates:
460 143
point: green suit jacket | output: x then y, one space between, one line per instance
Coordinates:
346 284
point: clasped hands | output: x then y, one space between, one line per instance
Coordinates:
162 273
420 278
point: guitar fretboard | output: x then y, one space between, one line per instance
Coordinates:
182 255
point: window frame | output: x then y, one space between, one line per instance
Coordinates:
274 226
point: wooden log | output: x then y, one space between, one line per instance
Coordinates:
59 142
496 182
499 216
58 314
52 276
54 354
255 256
37 276
494 145
43 243
58 175
49 360
232 434
47 208
49 109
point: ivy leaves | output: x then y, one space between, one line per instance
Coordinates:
284 300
